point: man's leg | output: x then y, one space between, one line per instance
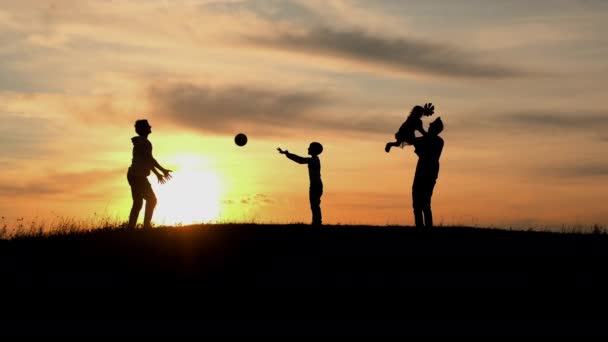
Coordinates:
315 204
417 203
428 217
150 204
418 220
428 214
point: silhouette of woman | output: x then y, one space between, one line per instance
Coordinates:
142 163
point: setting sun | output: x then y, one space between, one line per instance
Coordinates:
191 196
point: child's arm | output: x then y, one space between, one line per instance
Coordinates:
294 157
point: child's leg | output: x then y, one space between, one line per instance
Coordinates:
315 204
388 146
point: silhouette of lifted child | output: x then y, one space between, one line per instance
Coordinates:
407 132
314 173
142 163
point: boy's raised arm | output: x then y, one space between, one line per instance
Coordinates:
294 157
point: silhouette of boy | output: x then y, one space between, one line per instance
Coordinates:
407 132
314 173
428 148
142 163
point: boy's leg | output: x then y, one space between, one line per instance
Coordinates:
150 204
315 204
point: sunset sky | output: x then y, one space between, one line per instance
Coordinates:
520 85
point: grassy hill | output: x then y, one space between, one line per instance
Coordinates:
299 280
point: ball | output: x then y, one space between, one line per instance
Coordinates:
240 139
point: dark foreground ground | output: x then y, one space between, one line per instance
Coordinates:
297 280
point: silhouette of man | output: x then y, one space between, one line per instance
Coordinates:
142 163
314 173
428 148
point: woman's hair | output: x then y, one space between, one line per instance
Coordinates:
141 125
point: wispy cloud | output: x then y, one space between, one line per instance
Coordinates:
223 109
228 109
531 124
57 183
551 120
24 137
255 200
399 54
580 170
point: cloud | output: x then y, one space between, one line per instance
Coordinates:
24 137
582 170
57 183
226 109
271 112
255 200
562 120
530 124
593 124
399 54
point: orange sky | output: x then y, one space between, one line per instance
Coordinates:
519 86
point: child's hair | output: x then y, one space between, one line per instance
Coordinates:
420 110
141 125
417 110
316 148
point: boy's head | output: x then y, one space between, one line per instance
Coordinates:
436 126
315 149
142 127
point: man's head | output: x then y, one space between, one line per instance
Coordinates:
436 127
315 149
142 127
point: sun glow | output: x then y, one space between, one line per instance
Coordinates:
191 196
